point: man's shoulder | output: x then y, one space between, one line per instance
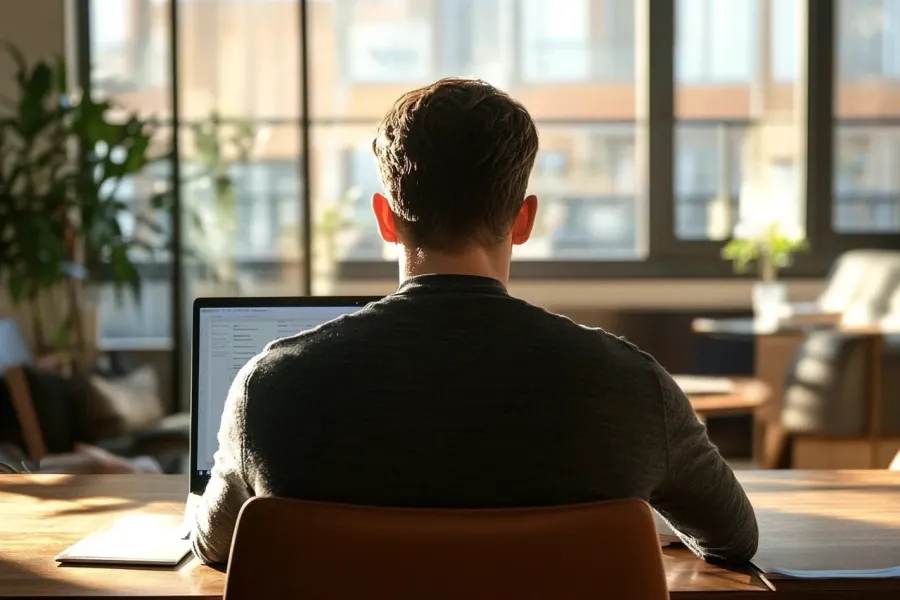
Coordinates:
333 330
356 331
596 339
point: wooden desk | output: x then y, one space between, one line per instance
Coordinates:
827 520
40 515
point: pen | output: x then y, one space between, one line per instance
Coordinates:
762 577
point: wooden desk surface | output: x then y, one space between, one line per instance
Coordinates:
828 520
40 515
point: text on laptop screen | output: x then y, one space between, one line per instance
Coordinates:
229 337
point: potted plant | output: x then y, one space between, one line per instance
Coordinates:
218 146
771 248
62 163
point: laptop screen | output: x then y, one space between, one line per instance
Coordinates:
228 338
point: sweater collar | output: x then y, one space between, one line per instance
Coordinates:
444 284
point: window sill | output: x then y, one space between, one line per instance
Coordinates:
136 344
563 295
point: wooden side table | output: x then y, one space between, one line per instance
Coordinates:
746 396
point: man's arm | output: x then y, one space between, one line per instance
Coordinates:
216 512
700 495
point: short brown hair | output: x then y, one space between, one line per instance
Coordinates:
455 158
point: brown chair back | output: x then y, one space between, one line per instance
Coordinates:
317 551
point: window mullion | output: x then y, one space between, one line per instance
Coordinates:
655 86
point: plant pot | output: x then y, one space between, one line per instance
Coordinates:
769 299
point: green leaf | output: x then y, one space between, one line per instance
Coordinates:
124 270
60 75
16 286
35 94
162 200
152 224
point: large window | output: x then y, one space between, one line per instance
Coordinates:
586 175
649 157
867 128
740 145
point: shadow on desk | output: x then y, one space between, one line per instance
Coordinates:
86 501
117 488
13 576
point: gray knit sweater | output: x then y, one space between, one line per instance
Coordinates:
452 393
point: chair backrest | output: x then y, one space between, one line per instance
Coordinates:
317 551
860 285
13 350
14 355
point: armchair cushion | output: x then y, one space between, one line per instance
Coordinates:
120 406
827 388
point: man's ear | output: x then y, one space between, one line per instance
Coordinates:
385 217
524 223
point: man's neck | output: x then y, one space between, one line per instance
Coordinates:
476 261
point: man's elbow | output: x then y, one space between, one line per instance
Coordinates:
208 554
739 550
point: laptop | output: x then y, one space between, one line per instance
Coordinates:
227 332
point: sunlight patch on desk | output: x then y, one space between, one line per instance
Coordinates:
848 509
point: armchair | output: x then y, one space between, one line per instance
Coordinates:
840 407
824 363
50 417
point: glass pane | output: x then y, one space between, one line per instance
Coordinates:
707 178
740 136
344 178
585 177
145 321
241 208
240 158
130 42
570 61
867 123
239 57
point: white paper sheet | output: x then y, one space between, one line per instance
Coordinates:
838 574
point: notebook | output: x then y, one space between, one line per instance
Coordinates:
140 540
700 385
